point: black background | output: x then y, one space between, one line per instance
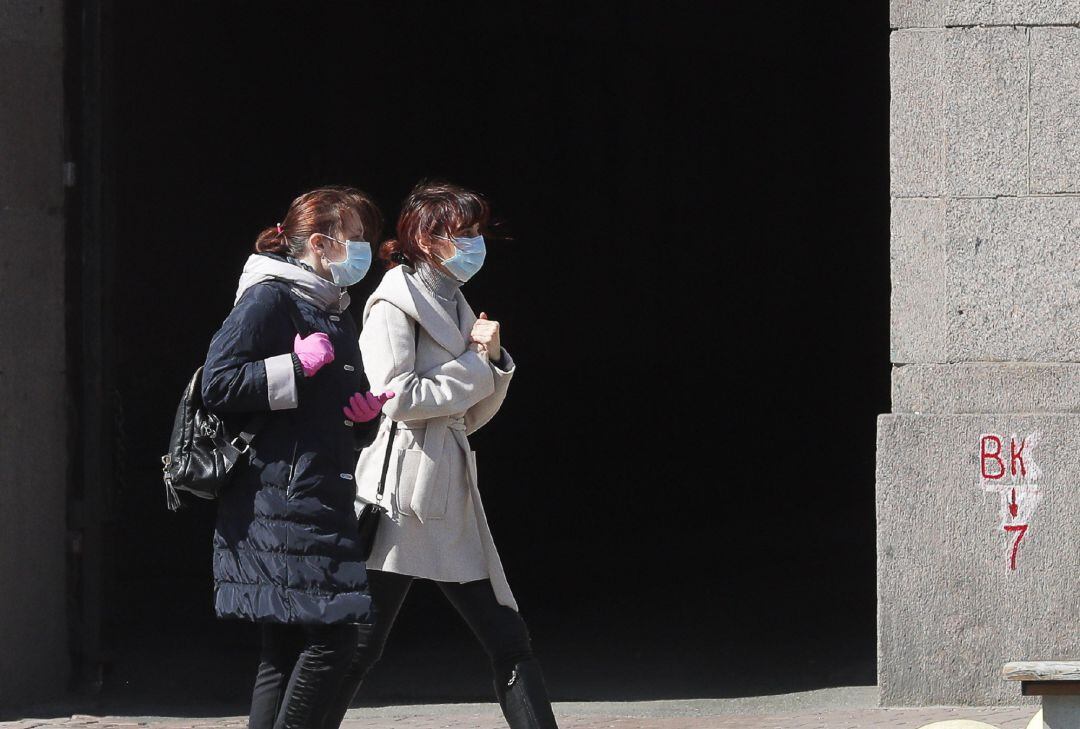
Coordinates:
696 293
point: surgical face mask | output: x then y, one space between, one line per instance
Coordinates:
356 264
468 257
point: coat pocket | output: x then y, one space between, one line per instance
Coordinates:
407 464
431 494
423 495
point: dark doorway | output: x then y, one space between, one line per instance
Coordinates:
681 483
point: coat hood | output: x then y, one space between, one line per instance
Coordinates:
400 287
305 283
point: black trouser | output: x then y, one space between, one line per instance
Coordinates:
301 668
519 683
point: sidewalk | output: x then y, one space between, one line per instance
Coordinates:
844 708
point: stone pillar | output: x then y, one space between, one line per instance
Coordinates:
33 388
978 465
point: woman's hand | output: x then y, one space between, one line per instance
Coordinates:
315 352
485 332
363 406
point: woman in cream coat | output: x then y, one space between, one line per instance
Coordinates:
421 340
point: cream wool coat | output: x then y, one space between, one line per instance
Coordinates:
435 526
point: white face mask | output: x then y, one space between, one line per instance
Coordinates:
356 264
468 257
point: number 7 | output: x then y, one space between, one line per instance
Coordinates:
1021 530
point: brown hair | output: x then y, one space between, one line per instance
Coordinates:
433 208
319 211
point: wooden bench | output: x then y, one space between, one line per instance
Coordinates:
1058 682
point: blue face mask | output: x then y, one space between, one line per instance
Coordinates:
467 259
356 264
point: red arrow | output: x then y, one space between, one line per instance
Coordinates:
1013 508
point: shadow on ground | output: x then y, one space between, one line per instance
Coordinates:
171 658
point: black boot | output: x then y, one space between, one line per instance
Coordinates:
524 697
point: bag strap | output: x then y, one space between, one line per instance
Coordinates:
393 428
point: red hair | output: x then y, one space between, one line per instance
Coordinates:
433 209
319 211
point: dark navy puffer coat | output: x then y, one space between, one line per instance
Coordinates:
285 546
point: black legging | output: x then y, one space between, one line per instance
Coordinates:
501 632
301 669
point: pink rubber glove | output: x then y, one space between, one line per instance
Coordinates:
363 406
314 351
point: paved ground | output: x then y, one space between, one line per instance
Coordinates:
844 708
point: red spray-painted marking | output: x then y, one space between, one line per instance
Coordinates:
1017 455
985 455
1020 478
1021 530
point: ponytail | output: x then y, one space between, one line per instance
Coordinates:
273 240
391 253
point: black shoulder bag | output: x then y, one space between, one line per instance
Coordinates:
201 452
371 514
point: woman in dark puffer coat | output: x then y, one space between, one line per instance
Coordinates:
285 544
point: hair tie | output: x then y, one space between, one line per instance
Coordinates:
280 231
